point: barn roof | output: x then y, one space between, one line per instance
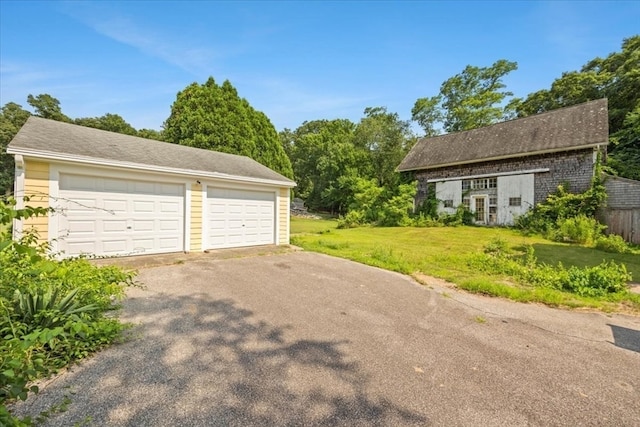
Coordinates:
576 127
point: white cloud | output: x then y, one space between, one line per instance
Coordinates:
187 55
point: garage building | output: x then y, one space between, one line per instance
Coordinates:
116 194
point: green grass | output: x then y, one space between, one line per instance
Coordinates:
442 252
307 225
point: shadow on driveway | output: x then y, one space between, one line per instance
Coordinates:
625 338
195 360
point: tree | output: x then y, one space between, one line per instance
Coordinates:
215 118
468 100
616 77
151 134
386 139
47 107
108 122
323 155
12 117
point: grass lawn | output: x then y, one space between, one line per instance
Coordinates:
442 252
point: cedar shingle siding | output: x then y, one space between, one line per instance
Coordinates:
572 167
531 156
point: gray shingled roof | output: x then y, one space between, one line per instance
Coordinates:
580 126
48 137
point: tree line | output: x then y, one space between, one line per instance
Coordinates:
340 165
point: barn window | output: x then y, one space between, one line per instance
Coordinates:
515 201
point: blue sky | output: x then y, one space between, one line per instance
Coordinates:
294 61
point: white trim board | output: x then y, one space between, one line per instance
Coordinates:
148 168
486 175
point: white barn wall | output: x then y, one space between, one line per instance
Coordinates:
449 190
514 186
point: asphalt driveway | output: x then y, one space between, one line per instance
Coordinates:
301 339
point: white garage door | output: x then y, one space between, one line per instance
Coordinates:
105 216
238 218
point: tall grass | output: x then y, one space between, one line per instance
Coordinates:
444 252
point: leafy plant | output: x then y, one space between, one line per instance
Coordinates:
53 312
562 215
612 243
579 229
43 309
352 219
606 278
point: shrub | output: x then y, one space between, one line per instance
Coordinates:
612 243
423 220
352 219
496 246
600 280
53 312
597 281
546 217
463 216
579 229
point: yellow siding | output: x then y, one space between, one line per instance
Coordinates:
36 187
283 212
196 217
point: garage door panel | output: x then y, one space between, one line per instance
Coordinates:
234 224
143 225
78 206
81 247
171 190
114 246
168 243
144 187
75 182
115 185
266 209
144 207
147 244
217 209
82 227
114 205
114 226
240 217
169 207
120 216
168 224
235 209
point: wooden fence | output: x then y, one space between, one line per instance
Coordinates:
624 222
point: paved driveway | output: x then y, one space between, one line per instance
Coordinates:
305 339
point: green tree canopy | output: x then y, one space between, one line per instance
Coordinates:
151 134
386 139
616 77
322 152
12 117
468 100
48 107
214 117
109 122
333 158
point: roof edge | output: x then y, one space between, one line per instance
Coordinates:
510 156
48 155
